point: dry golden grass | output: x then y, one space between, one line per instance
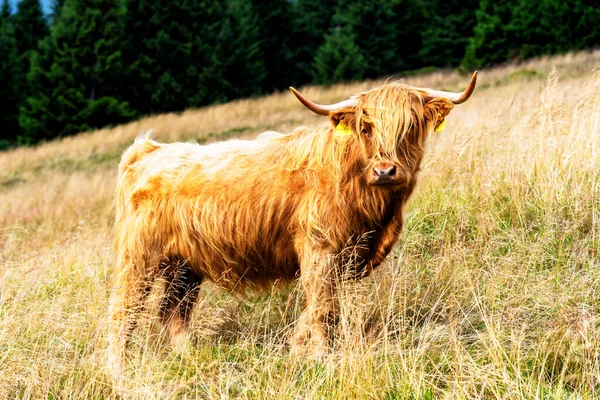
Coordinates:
492 292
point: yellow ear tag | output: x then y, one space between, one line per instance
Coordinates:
441 126
341 130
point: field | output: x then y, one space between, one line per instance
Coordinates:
492 292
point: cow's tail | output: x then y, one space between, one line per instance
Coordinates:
142 145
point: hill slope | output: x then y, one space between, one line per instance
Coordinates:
493 290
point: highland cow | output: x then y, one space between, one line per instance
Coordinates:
246 213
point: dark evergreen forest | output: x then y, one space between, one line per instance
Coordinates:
93 63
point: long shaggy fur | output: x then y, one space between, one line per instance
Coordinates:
243 214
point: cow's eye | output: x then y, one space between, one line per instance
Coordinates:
365 132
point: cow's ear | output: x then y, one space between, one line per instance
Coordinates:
438 105
343 120
436 111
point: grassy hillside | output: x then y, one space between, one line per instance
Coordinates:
492 292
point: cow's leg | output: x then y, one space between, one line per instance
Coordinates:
181 292
131 286
387 240
315 326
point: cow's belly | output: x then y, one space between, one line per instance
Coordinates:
252 266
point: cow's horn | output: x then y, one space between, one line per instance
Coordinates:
323 109
456 98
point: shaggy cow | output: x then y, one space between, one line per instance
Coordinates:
244 214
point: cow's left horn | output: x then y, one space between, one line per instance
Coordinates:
323 109
456 98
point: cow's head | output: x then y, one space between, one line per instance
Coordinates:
390 124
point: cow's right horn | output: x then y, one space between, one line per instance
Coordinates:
456 98
323 109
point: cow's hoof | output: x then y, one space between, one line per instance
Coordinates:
181 344
310 351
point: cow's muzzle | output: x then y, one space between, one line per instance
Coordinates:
384 174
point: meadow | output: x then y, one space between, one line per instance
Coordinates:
493 290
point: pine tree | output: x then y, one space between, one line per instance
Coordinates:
240 68
409 23
56 7
5 11
588 29
527 28
527 24
369 39
311 21
447 28
387 33
275 31
171 53
148 48
339 58
373 23
30 27
76 78
494 39
9 72
561 26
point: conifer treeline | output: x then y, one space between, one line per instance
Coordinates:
97 62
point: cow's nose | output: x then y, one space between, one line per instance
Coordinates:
388 172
